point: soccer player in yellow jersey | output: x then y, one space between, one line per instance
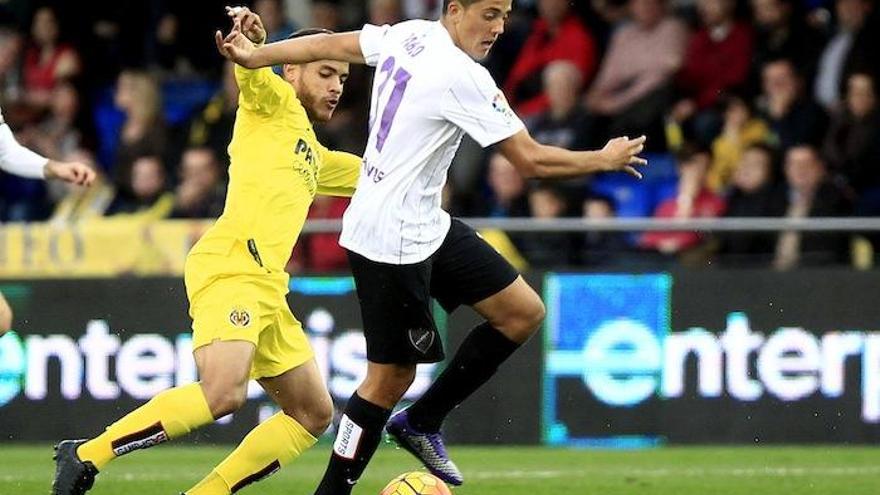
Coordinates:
236 284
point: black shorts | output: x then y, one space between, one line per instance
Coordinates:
395 300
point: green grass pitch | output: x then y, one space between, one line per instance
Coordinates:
820 470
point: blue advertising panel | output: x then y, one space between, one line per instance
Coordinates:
716 356
603 351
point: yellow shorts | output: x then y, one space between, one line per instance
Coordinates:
243 307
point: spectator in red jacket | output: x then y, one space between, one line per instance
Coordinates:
557 34
717 60
46 61
694 199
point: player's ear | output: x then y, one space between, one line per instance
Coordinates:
453 10
290 72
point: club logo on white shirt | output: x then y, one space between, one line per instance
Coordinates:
500 104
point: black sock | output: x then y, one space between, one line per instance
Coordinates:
360 432
478 358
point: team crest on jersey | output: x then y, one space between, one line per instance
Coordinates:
239 317
421 339
499 103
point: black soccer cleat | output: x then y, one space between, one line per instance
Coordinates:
73 476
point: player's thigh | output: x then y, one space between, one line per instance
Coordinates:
225 361
229 310
395 303
282 345
302 395
467 270
227 323
517 310
224 368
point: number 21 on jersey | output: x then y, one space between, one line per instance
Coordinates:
401 77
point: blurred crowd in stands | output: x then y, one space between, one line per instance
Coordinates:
756 108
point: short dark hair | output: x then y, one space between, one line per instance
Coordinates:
796 71
554 188
809 147
308 32
737 94
466 3
689 150
765 148
602 198
771 153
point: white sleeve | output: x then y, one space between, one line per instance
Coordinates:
18 160
372 38
475 104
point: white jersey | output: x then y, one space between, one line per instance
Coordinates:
15 158
426 94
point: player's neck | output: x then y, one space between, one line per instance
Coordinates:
453 35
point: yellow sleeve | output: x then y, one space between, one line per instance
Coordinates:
261 90
339 173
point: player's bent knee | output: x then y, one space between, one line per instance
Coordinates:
385 384
316 419
399 381
393 387
536 315
223 401
313 415
524 321
323 418
228 404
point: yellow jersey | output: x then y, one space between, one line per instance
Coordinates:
276 167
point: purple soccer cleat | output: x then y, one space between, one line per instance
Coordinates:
427 447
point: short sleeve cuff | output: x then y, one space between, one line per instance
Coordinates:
371 38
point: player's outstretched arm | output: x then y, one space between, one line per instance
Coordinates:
535 160
72 172
5 315
344 47
18 160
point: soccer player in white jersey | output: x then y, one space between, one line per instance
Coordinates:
18 160
404 249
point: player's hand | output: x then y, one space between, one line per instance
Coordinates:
622 154
72 172
233 48
248 23
237 48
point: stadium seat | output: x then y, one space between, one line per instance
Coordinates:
632 197
661 166
664 189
